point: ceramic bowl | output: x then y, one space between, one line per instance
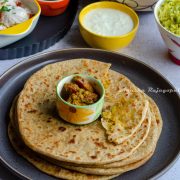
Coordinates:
80 114
108 42
139 5
171 40
19 31
53 7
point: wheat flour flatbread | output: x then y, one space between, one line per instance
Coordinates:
47 167
41 128
53 169
150 143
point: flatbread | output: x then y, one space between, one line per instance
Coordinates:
109 171
55 170
45 166
124 114
41 128
150 143
148 130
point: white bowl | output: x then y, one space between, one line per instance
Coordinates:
19 31
171 40
139 5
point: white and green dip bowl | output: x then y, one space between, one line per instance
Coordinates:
76 114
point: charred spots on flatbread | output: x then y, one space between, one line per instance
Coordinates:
61 128
78 129
72 141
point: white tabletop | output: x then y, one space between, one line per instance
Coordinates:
148 47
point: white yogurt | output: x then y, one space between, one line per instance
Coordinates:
108 22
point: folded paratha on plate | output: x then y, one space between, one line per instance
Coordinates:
150 142
40 126
50 168
124 139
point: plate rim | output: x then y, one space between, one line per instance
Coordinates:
41 54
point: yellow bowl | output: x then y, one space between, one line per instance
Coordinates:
19 31
108 42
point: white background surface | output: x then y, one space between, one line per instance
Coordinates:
148 47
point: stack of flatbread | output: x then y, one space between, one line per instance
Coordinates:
122 139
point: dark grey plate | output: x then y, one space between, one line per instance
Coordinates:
168 148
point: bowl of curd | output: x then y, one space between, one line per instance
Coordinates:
108 25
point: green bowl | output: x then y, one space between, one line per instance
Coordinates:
79 114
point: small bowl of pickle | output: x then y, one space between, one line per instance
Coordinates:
80 98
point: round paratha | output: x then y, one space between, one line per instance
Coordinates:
45 133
